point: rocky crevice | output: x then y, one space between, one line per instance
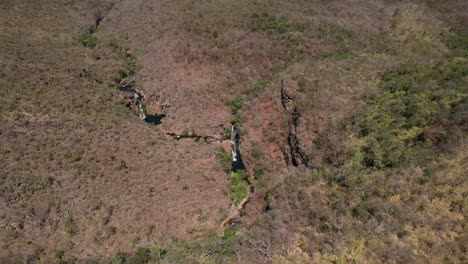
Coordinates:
196 137
295 155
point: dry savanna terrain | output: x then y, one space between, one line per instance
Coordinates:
351 120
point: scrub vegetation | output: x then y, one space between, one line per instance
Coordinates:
352 118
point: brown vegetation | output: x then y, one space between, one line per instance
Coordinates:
359 157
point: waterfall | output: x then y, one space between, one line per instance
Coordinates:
140 106
142 112
233 144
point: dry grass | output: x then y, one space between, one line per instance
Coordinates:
81 176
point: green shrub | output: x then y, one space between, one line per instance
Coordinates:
224 159
221 250
157 253
59 254
75 157
87 39
46 181
259 85
236 120
130 61
458 43
114 45
236 105
121 110
258 172
227 132
326 29
16 115
239 186
414 99
122 73
69 226
256 153
273 25
142 256
119 258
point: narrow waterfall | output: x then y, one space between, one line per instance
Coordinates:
141 114
233 144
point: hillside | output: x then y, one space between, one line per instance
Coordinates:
351 119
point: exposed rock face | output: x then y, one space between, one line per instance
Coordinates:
296 155
156 106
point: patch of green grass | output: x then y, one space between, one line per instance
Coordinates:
121 110
236 120
340 55
419 106
327 29
135 240
143 255
273 25
130 68
236 104
220 250
203 218
239 186
4 150
119 258
59 254
458 43
224 159
75 157
115 46
256 153
259 86
69 226
87 39
16 115
258 172
46 181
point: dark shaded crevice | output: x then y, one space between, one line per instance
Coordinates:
135 98
296 155
203 138
135 103
238 164
154 119
98 17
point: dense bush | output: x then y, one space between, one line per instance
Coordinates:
258 172
87 38
69 226
224 159
259 85
236 105
272 24
210 249
417 109
130 68
458 43
239 186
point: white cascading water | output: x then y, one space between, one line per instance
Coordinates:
233 144
142 112
140 107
